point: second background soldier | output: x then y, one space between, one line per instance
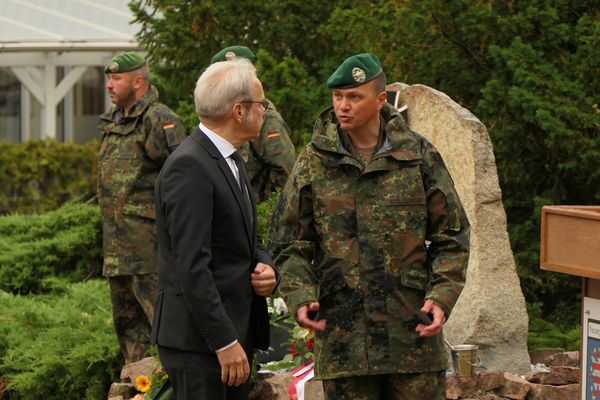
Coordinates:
270 157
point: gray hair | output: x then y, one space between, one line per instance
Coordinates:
221 85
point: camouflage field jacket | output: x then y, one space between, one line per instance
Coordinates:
356 237
269 158
132 152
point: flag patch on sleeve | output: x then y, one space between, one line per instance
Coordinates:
168 125
272 135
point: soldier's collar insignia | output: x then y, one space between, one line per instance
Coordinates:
359 75
113 67
230 55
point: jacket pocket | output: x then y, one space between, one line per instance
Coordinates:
414 277
140 210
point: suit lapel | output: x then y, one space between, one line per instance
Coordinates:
199 136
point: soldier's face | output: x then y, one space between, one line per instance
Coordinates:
357 107
120 88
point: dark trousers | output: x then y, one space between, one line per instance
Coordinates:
197 376
417 386
132 298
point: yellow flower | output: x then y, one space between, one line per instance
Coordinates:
143 384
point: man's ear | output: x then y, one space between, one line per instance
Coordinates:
237 112
381 99
138 81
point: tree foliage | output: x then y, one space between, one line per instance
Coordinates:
530 70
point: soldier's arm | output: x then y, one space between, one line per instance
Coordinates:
164 132
275 148
447 230
292 236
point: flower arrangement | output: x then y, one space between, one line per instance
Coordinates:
301 339
155 387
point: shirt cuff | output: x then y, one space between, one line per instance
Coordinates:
226 347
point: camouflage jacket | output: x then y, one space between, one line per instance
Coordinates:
269 158
132 152
357 237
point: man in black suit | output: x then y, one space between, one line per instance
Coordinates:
213 272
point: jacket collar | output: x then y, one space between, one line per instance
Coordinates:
400 141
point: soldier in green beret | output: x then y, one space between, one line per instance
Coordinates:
137 135
270 157
372 242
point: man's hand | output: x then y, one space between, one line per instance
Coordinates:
438 319
234 365
263 279
304 317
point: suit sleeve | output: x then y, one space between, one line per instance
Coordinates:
187 198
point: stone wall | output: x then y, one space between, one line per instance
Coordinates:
555 376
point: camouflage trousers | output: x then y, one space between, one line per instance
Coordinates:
418 386
132 299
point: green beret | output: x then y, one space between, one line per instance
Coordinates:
355 71
231 52
125 62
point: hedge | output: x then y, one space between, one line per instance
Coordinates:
66 242
39 176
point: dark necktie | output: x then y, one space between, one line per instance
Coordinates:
243 174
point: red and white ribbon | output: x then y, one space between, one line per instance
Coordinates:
301 375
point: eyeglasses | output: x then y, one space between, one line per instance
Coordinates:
263 103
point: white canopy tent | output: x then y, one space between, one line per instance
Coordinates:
39 37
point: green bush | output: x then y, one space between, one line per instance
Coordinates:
59 346
264 212
66 242
545 334
39 176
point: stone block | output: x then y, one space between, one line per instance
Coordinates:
548 392
571 374
491 380
538 356
546 378
458 387
514 387
125 390
565 359
313 390
275 387
143 367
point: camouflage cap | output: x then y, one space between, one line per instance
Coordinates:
125 62
231 52
355 71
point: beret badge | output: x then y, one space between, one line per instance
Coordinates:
114 66
359 75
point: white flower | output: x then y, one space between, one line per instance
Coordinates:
279 305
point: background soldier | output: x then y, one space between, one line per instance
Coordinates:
138 134
270 157
349 236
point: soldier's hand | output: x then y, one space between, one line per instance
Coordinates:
305 315
234 365
263 279
439 318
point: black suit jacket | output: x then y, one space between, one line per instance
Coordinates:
207 249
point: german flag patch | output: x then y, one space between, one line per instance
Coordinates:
272 135
168 125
